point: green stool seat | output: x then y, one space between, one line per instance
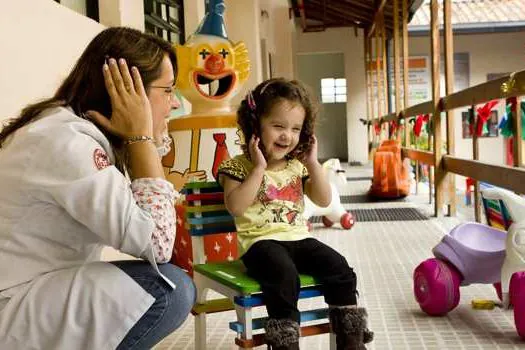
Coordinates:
233 274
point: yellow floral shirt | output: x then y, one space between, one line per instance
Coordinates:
277 212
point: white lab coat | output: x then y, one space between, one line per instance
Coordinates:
57 211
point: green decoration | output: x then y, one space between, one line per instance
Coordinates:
506 125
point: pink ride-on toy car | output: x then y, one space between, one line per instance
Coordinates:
476 253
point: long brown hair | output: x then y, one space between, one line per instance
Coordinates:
264 98
84 87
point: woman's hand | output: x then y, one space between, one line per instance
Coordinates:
131 110
310 158
256 154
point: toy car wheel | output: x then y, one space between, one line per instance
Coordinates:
327 222
347 221
436 286
517 299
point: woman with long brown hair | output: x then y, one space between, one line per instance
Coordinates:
80 171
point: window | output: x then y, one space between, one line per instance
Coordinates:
88 8
333 90
165 18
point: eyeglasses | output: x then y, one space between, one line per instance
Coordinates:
169 90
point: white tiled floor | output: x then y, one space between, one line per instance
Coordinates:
384 255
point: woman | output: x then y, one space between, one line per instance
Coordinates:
82 170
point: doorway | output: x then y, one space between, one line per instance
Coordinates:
331 127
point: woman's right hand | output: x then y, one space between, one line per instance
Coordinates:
131 110
256 154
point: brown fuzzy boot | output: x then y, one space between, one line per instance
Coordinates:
282 334
349 326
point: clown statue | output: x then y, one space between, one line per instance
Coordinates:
211 70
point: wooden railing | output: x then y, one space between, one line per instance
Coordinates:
441 159
512 178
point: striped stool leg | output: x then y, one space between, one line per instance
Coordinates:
244 316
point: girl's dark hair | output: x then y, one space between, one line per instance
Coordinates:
84 87
259 103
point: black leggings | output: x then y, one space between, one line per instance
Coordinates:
276 266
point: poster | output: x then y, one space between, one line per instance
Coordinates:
418 80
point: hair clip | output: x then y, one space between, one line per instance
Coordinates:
265 86
251 101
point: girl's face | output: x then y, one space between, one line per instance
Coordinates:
280 130
162 100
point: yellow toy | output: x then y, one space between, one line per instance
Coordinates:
485 304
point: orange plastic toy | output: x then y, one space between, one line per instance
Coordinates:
391 176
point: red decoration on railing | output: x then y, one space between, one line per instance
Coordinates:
393 127
418 125
483 115
377 128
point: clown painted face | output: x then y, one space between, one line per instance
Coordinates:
210 71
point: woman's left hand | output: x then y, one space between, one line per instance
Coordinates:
131 114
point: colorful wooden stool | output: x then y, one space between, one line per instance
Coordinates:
205 214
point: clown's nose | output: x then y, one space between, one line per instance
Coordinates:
214 64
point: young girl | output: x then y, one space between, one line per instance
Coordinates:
263 190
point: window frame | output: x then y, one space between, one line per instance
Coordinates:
338 90
158 21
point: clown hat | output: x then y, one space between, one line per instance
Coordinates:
213 22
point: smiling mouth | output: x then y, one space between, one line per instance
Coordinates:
212 86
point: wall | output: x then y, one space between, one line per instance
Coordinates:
39 48
193 13
344 40
278 29
113 13
246 28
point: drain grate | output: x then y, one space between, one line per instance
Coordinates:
384 214
361 178
388 214
364 198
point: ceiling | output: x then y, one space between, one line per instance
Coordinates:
317 15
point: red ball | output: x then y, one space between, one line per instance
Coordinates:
347 221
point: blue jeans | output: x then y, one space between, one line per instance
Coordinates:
170 309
